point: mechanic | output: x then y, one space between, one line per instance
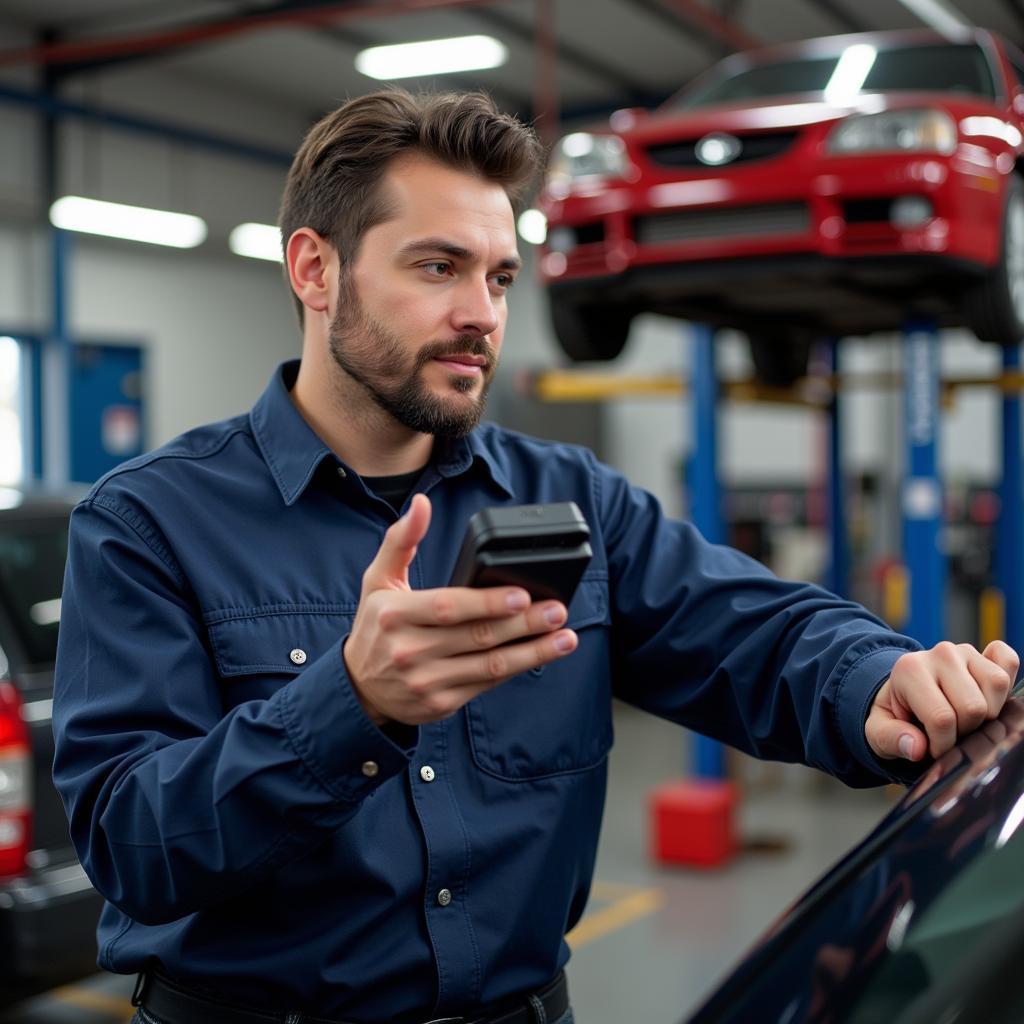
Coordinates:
315 783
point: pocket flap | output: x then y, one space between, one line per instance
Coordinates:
276 641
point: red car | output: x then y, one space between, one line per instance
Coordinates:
836 186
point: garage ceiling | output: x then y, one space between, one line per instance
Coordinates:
611 53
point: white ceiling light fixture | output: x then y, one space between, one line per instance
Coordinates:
533 227
257 241
940 15
134 223
432 57
851 72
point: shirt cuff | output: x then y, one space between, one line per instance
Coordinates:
856 693
332 733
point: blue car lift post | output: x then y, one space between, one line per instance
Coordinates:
693 821
1010 529
922 495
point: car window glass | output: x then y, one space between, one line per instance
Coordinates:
31 577
943 67
989 891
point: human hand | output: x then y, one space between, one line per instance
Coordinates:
417 656
934 697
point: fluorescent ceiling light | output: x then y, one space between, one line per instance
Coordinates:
433 57
257 241
533 227
940 15
853 68
136 223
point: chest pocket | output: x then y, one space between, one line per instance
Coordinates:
258 651
555 721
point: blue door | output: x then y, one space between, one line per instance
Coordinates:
106 405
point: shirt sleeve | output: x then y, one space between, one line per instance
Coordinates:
707 637
173 804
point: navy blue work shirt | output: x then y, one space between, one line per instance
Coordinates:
254 831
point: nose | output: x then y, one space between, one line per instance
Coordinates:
475 311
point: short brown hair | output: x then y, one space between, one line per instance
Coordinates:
333 186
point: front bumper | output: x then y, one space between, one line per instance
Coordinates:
816 241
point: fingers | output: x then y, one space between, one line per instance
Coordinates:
994 671
390 566
1005 657
456 606
412 644
948 691
464 676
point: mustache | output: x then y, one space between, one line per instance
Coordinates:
464 344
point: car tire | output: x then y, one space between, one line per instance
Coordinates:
995 306
590 333
780 356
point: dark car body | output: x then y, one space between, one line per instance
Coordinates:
771 197
922 923
48 908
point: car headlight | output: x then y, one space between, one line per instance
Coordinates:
895 131
582 155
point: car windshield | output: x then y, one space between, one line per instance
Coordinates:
925 948
32 560
942 67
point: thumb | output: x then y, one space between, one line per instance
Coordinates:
390 566
890 737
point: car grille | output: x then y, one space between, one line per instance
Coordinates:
731 222
753 147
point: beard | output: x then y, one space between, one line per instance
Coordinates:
377 360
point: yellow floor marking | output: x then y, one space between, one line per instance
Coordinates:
117 1006
616 915
613 890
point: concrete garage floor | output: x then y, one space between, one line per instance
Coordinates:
654 940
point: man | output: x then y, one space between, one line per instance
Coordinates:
315 783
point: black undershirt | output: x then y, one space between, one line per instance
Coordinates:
394 489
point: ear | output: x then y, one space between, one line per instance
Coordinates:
312 268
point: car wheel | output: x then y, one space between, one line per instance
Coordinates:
590 332
779 356
995 307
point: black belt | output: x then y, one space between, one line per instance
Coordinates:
169 1001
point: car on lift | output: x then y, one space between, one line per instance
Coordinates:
48 908
834 187
922 922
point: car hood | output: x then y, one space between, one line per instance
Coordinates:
780 113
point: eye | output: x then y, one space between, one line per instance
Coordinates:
504 281
437 268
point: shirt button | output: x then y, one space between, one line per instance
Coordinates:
298 656
444 897
341 472
427 773
371 769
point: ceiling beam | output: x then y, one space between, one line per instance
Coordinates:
700 29
728 32
568 53
161 40
840 14
672 21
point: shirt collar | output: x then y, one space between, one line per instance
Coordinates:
290 448
293 452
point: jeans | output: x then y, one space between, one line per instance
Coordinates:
142 1017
